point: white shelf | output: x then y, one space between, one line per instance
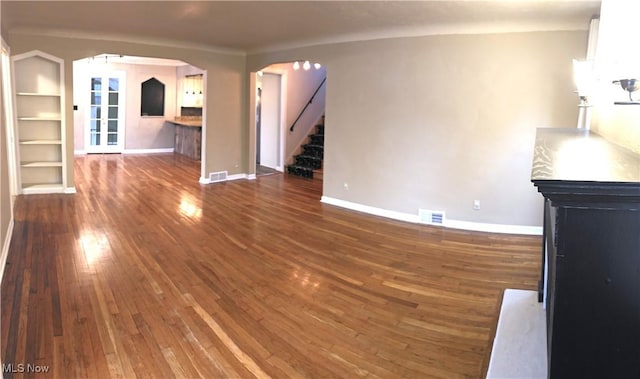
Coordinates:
38 94
53 118
40 164
41 142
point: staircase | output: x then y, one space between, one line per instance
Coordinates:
308 164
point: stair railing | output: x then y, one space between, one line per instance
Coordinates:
308 103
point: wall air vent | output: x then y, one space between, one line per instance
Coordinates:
431 217
219 176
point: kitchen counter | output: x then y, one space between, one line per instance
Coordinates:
188 137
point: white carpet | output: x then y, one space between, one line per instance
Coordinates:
520 347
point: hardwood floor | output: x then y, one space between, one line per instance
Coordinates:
146 273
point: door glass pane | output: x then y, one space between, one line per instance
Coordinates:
95 139
95 126
112 139
96 98
113 112
113 98
96 84
113 126
114 84
95 111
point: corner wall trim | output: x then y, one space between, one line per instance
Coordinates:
448 223
5 248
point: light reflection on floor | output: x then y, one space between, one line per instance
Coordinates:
95 245
190 207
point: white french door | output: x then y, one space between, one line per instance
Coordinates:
105 124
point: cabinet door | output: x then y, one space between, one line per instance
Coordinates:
596 302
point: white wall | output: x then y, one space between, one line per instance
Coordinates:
617 58
140 132
437 122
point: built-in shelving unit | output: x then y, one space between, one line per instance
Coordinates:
39 83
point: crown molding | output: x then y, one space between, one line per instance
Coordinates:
431 30
114 37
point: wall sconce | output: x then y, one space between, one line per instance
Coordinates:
584 80
631 86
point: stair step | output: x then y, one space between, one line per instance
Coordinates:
317 139
310 161
308 156
313 150
301 171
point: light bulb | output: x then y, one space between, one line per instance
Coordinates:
306 66
296 65
317 66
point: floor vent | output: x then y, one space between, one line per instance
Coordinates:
431 217
219 176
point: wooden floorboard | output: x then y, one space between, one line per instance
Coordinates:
146 273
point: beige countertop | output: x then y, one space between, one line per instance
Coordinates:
187 121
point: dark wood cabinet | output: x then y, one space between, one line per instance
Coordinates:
592 243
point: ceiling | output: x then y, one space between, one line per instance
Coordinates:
253 26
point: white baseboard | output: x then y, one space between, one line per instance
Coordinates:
371 210
5 248
236 177
149 151
494 228
229 178
454 224
47 190
135 151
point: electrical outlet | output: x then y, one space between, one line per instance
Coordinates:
476 205
346 186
